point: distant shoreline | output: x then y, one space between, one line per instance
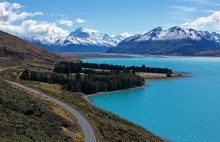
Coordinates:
97 55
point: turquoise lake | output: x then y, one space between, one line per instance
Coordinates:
180 110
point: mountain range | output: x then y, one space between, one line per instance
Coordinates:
80 40
174 41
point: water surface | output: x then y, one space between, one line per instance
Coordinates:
180 110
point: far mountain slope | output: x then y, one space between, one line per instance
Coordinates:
80 40
174 41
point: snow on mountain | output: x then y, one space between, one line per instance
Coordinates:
175 40
216 36
48 40
152 35
81 36
174 33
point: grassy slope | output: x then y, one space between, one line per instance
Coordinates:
46 121
14 51
108 126
26 118
16 48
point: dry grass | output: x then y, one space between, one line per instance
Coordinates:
8 62
77 135
155 75
53 88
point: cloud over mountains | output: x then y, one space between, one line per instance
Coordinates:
201 22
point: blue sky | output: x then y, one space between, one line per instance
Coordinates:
118 16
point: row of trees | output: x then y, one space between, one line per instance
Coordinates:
69 67
89 83
92 71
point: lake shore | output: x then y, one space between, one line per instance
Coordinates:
86 97
183 75
179 75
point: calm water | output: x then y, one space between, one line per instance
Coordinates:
182 110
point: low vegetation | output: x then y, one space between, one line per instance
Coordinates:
109 127
27 118
7 62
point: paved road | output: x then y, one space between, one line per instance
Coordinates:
89 132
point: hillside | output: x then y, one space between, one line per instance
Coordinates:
26 118
16 48
174 41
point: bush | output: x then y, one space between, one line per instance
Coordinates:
169 75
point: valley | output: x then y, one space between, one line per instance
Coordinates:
107 126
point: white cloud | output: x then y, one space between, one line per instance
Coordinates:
9 13
183 8
65 22
16 6
79 20
203 21
34 28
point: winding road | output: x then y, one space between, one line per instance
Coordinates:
89 132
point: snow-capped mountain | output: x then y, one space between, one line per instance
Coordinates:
216 36
80 40
175 40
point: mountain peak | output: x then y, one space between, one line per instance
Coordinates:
86 30
155 31
158 29
176 28
80 29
